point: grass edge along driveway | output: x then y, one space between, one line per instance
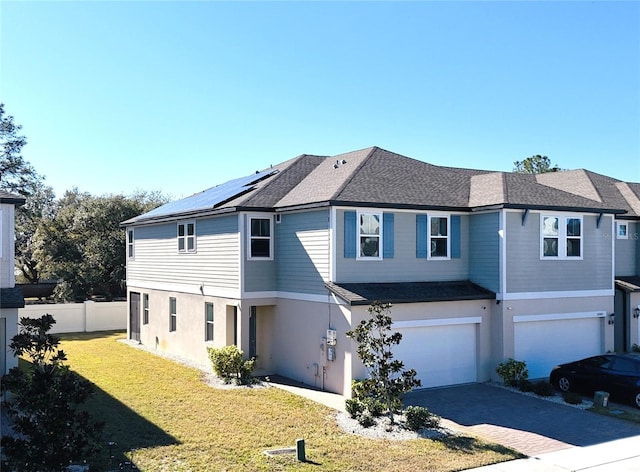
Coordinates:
175 422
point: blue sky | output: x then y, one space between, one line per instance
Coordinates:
116 97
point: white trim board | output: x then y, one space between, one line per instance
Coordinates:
544 295
558 316
436 322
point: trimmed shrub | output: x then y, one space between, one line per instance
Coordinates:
512 372
375 407
354 407
572 398
228 364
366 420
419 417
544 389
525 385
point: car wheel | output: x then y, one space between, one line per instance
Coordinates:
636 399
564 384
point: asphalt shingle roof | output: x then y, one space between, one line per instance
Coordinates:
6 197
408 292
376 177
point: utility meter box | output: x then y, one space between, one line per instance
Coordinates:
331 337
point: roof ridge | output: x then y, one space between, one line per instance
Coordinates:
629 195
355 171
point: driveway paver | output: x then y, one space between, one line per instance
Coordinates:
530 425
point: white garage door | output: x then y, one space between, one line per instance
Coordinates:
441 355
543 344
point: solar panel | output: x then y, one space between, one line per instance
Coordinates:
210 198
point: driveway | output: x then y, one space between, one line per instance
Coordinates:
530 425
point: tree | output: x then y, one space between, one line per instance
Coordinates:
52 430
387 380
19 177
535 165
82 242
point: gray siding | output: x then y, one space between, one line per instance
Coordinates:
216 261
627 251
484 250
527 273
302 252
404 266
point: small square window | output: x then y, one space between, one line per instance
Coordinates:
622 231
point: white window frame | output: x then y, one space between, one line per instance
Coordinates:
620 224
562 236
145 308
250 238
208 323
131 237
359 254
430 243
173 314
186 237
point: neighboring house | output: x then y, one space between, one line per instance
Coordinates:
479 266
10 296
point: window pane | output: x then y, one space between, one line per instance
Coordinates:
209 332
180 230
130 237
131 250
209 308
550 247
260 248
573 227
369 246
191 227
191 243
438 247
573 248
145 299
181 244
622 230
438 227
369 224
172 305
550 226
260 227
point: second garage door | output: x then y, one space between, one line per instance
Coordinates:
440 354
543 342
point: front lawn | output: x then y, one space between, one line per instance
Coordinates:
176 422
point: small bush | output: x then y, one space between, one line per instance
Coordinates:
228 364
354 407
366 420
375 407
572 398
635 348
525 385
512 372
544 389
419 417
358 389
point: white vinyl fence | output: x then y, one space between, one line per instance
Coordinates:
81 317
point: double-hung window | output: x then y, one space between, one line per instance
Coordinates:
561 237
208 321
369 235
173 314
187 236
130 246
438 237
145 308
260 241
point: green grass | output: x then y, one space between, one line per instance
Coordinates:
623 413
176 422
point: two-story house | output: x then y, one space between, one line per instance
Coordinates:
479 266
10 296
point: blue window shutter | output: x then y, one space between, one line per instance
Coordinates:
350 234
455 236
387 235
421 236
